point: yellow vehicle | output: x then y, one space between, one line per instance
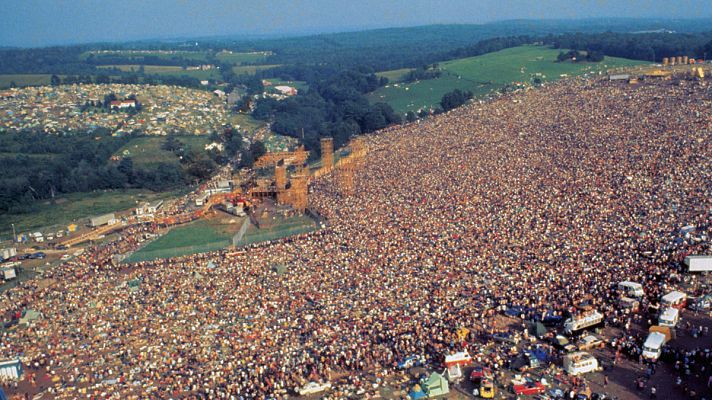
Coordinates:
487 389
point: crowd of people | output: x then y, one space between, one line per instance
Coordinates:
540 201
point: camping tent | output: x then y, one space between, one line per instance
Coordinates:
29 316
436 385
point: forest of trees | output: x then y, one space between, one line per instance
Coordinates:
334 106
41 166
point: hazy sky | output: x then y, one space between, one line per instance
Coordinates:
42 22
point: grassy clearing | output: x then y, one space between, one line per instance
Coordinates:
246 122
487 73
396 75
301 86
147 152
149 69
74 208
199 56
21 80
195 237
251 69
242 58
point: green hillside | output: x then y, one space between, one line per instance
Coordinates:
487 73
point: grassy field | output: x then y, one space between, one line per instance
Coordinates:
487 73
21 80
149 69
241 58
246 122
196 237
251 69
198 56
286 227
75 207
146 151
396 75
301 86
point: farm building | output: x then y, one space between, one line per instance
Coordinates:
106 219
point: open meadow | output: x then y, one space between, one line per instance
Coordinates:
487 73
146 151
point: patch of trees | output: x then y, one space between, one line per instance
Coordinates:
116 59
423 73
334 106
455 99
637 46
576 56
39 166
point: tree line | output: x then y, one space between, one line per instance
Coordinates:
38 166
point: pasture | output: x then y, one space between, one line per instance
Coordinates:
394 76
488 73
242 58
251 69
146 151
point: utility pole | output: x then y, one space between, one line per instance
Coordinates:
14 235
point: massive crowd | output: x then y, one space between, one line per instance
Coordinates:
539 201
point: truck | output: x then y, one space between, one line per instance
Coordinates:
669 317
653 346
580 363
631 289
586 320
674 299
699 263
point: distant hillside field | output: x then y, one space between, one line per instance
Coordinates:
487 73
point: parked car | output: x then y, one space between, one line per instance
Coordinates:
314 387
480 373
410 362
487 389
590 342
529 388
702 303
562 343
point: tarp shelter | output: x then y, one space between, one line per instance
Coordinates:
30 315
10 369
539 330
134 284
436 385
211 264
417 393
3 396
279 269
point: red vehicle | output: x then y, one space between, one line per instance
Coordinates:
529 388
480 373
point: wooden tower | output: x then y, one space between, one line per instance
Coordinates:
327 153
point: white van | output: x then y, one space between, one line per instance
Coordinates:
631 289
585 320
653 346
580 363
670 317
674 299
